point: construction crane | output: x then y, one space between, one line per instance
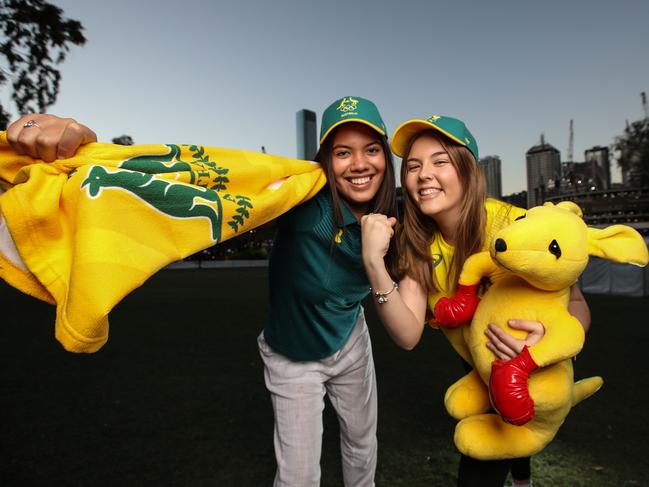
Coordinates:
571 142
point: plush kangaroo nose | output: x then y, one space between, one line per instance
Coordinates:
500 245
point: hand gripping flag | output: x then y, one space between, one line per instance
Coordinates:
82 233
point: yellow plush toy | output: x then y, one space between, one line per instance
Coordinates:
531 265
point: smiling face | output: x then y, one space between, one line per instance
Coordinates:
358 165
432 180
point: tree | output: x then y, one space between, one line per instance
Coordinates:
123 140
633 153
35 38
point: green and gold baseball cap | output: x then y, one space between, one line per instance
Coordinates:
351 109
452 128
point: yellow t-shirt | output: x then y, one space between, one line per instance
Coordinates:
499 215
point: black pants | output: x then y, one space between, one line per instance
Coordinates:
491 473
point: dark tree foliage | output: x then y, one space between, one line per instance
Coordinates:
633 147
34 39
123 140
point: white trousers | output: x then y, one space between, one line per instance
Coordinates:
7 246
297 392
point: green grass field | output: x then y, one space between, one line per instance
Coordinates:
176 397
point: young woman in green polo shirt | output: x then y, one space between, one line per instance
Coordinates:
447 217
315 341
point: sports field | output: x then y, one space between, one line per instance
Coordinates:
176 397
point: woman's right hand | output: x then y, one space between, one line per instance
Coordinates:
48 137
505 346
376 232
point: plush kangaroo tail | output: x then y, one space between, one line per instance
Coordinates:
585 388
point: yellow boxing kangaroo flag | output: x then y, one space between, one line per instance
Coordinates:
84 232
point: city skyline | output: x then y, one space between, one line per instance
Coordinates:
234 75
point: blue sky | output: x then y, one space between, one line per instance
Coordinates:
234 73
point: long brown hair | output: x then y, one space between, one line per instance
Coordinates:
384 201
418 229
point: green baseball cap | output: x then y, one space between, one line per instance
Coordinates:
351 109
452 128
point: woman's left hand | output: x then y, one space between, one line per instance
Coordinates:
505 346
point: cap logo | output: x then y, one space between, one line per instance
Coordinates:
466 139
347 104
434 118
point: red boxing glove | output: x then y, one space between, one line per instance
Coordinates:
509 390
459 308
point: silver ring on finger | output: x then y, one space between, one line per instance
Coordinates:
31 123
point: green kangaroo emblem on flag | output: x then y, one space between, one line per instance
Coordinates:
179 200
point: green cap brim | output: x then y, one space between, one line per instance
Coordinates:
406 130
364 122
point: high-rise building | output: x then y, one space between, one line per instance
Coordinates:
490 166
543 172
600 168
307 140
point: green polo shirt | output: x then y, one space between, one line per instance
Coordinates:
316 284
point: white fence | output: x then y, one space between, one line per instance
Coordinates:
600 276
216 264
606 277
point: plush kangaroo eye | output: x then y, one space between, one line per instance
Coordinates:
555 249
519 218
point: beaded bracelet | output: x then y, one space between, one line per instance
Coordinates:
383 297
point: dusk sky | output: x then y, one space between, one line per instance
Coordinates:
234 74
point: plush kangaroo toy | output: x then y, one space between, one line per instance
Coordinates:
531 264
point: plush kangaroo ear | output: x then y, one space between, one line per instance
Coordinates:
619 243
570 206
